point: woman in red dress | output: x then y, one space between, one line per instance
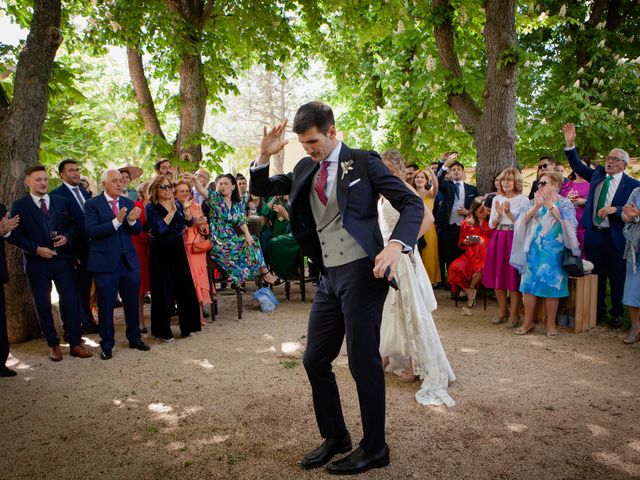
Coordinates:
465 273
141 243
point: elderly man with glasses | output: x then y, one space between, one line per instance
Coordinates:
602 219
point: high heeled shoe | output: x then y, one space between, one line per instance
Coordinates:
471 298
633 335
408 376
524 331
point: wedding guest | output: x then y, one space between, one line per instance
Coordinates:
129 174
457 198
45 234
169 270
197 243
426 184
542 232
141 244
111 219
496 190
409 341
498 273
631 297
84 183
241 180
239 256
546 163
465 272
77 196
283 247
411 170
203 177
609 190
576 189
272 223
7 225
164 167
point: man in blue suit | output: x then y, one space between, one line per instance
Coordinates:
7 225
77 196
457 196
110 220
609 191
45 235
333 195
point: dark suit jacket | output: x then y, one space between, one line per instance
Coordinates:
32 231
448 190
81 246
4 274
357 195
595 177
107 245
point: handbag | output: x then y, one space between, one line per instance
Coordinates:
203 245
572 264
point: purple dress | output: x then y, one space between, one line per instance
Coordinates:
497 272
582 189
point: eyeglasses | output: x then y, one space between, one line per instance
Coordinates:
544 165
165 187
613 159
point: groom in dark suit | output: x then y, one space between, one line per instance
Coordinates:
332 207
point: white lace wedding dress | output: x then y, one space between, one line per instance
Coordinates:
407 329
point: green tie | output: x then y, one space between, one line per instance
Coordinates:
602 198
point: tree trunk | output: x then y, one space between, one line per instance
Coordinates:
493 129
143 94
193 92
21 126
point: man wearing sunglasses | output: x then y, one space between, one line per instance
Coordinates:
546 164
609 191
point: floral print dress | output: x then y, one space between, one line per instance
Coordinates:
230 252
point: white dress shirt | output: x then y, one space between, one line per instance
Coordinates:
613 187
73 190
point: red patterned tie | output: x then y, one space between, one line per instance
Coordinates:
43 206
114 206
321 181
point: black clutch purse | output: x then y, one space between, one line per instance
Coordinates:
572 264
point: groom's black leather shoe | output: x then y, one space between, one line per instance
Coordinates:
359 461
324 453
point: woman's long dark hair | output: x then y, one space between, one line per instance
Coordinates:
235 195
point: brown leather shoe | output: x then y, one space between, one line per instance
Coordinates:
55 354
80 351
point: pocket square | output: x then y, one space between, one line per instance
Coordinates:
354 182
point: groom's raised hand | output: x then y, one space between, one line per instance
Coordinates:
272 142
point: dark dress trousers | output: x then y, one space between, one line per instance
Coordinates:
33 231
349 298
114 264
604 247
80 251
4 278
169 273
448 234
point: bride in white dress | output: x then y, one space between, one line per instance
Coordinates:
409 342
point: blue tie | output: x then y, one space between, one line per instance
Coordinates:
458 190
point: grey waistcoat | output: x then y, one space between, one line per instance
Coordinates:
338 247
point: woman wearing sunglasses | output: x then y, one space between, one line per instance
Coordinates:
541 234
169 270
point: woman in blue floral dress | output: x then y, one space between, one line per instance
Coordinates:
239 255
549 220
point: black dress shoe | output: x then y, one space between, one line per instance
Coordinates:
324 453
140 346
7 372
106 355
359 461
616 322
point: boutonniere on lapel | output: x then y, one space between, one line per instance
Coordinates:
346 168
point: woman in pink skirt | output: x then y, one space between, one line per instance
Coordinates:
498 274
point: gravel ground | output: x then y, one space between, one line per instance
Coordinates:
234 403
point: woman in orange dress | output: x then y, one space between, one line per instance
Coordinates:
195 238
426 184
465 272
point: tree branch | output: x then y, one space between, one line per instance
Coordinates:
143 94
468 112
